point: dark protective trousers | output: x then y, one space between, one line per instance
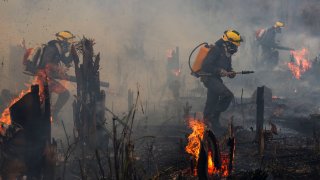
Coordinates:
219 98
62 99
270 57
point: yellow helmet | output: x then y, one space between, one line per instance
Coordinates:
232 36
65 36
279 24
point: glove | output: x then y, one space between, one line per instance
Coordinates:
232 74
223 73
204 79
74 55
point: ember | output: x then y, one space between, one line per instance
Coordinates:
299 63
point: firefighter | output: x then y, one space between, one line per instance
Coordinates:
53 60
266 38
218 64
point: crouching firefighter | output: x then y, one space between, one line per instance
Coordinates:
52 60
212 63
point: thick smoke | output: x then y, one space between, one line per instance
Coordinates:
133 35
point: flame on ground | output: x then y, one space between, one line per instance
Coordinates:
212 170
198 128
193 148
5 119
299 63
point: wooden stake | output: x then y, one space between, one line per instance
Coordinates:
260 119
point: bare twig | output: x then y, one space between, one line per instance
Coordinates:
68 153
115 149
81 171
65 132
99 163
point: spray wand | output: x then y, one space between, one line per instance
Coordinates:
201 74
209 74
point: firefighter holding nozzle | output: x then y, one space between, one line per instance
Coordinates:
266 39
217 63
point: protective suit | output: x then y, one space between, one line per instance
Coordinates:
53 60
218 63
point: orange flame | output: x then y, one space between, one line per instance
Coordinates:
211 168
5 119
193 148
224 166
300 63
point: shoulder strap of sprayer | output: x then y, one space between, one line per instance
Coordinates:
192 72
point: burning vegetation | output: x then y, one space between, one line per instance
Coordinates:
299 62
5 119
198 128
150 133
200 140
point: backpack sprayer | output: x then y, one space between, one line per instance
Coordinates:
202 54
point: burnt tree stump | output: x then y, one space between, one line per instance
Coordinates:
89 106
260 119
26 152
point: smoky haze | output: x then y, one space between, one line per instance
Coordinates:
134 35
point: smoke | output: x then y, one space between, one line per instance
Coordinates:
134 35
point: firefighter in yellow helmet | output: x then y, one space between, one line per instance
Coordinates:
266 38
218 63
65 36
53 60
278 24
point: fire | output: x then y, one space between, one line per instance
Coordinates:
211 168
299 64
193 148
5 118
40 79
198 128
224 166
